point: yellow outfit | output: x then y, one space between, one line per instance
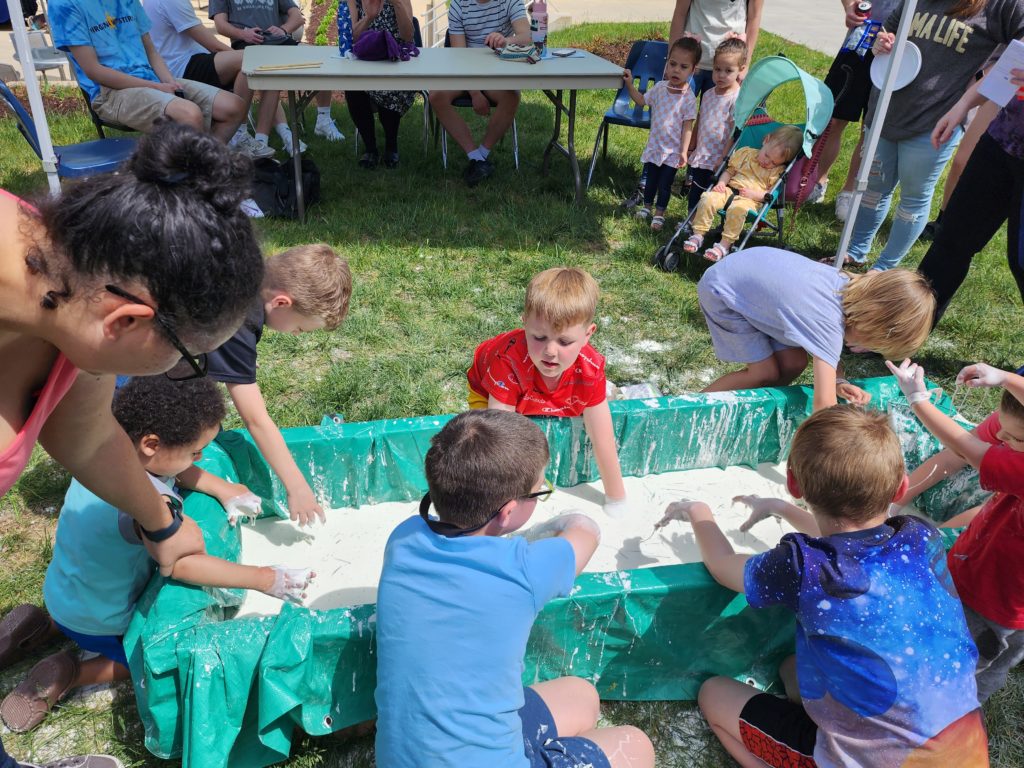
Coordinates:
744 171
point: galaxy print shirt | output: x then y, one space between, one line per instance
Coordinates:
884 658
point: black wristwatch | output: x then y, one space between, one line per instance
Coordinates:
165 533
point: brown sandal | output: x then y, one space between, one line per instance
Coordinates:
22 630
49 681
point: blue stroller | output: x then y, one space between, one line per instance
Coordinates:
764 77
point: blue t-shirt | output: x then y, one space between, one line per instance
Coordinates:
99 566
786 296
113 27
884 658
453 618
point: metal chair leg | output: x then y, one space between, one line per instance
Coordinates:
593 156
444 148
515 143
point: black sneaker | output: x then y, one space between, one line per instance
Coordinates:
390 160
369 160
931 229
477 171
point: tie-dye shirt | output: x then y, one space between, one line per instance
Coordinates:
1008 128
884 658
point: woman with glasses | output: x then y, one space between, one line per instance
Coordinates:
131 273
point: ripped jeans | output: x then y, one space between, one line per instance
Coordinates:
915 165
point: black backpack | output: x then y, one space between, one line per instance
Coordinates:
273 186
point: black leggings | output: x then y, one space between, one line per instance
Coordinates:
988 194
658 183
361 107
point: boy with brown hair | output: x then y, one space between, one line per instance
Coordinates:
455 606
985 559
548 368
883 668
306 288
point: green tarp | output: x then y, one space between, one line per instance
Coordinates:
219 691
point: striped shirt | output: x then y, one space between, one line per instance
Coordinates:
476 20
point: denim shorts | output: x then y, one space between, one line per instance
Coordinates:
108 646
544 749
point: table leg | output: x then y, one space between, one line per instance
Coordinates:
569 150
556 100
571 147
293 118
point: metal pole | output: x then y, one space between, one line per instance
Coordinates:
875 132
35 98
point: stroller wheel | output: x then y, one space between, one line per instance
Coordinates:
658 260
671 261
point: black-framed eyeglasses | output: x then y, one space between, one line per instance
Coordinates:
452 531
195 365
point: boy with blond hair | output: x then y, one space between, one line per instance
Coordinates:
306 288
456 603
985 560
883 672
744 186
548 368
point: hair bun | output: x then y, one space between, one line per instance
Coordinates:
176 155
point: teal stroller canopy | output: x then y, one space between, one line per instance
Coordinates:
773 71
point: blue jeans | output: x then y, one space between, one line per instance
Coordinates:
916 166
6 761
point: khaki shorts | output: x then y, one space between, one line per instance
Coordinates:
139 108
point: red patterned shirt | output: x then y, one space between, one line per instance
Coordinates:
502 367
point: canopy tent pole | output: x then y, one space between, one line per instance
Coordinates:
875 131
35 97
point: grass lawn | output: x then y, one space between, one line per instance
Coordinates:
438 268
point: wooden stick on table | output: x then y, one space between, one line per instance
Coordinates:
300 65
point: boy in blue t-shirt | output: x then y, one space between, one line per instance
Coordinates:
884 665
456 602
122 74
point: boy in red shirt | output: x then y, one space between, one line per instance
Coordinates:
548 368
985 561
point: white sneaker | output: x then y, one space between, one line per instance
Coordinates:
843 202
286 139
327 129
251 209
818 193
251 147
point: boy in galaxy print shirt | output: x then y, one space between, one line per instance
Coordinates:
883 672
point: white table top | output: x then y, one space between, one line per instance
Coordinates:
435 69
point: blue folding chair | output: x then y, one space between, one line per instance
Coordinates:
74 161
646 61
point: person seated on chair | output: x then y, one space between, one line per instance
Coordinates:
192 51
270 22
123 76
744 186
479 24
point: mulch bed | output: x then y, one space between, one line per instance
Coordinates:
61 101
614 51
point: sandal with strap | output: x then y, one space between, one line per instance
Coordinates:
717 252
49 681
657 223
693 243
642 214
79 761
22 630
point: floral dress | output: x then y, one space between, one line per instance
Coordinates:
396 101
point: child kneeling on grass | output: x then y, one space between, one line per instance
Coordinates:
986 559
548 368
770 309
883 672
99 566
744 186
456 602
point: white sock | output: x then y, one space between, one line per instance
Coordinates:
240 134
262 138
475 154
483 152
283 131
323 112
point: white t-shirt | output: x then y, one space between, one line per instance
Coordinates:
170 19
711 21
477 20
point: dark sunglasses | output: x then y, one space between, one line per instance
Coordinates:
191 366
452 531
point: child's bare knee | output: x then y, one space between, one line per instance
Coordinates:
710 689
637 746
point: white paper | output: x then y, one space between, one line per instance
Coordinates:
997 86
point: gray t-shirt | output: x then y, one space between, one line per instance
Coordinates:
952 51
253 13
792 299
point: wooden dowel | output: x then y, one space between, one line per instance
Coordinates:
303 65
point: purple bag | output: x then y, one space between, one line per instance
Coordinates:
381 45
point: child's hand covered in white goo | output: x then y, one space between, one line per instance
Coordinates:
244 507
560 524
676 510
981 375
910 377
760 509
616 509
290 583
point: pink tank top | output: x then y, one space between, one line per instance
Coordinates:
15 456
